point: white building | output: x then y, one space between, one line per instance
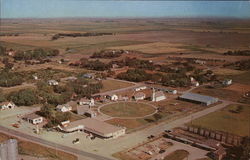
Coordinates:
158 96
53 83
34 118
112 97
9 150
139 96
63 108
140 88
7 105
102 129
85 101
227 82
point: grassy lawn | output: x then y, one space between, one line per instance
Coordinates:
109 85
227 120
177 155
220 93
36 150
127 109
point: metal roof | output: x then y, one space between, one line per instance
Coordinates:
198 97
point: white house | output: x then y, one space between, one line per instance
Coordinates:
53 83
63 108
140 88
35 77
85 101
7 105
112 97
34 118
139 96
158 96
227 82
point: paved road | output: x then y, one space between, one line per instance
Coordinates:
30 138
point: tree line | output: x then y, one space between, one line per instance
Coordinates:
88 34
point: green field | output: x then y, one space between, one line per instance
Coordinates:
109 85
127 109
227 120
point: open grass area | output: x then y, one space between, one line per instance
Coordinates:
177 155
127 109
36 150
243 78
109 85
232 119
220 93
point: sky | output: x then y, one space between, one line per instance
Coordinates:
123 8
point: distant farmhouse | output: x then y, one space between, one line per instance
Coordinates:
85 101
198 98
63 108
7 105
139 96
227 82
53 83
112 97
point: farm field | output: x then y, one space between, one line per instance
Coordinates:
110 84
232 119
221 93
151 36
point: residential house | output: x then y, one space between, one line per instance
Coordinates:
112 97
139 96
7 105
227 82
140 88
53 83
33 118
85 101
64 108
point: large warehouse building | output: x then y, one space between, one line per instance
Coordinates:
198 98
94 126
102 129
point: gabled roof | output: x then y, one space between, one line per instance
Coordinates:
62 106
139 94
32 116
6 103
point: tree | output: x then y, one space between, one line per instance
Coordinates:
24 97
2 98
240 152
2 50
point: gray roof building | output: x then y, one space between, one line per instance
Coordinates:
198 98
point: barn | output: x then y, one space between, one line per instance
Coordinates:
198 98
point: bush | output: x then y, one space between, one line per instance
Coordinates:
9 79
24 97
